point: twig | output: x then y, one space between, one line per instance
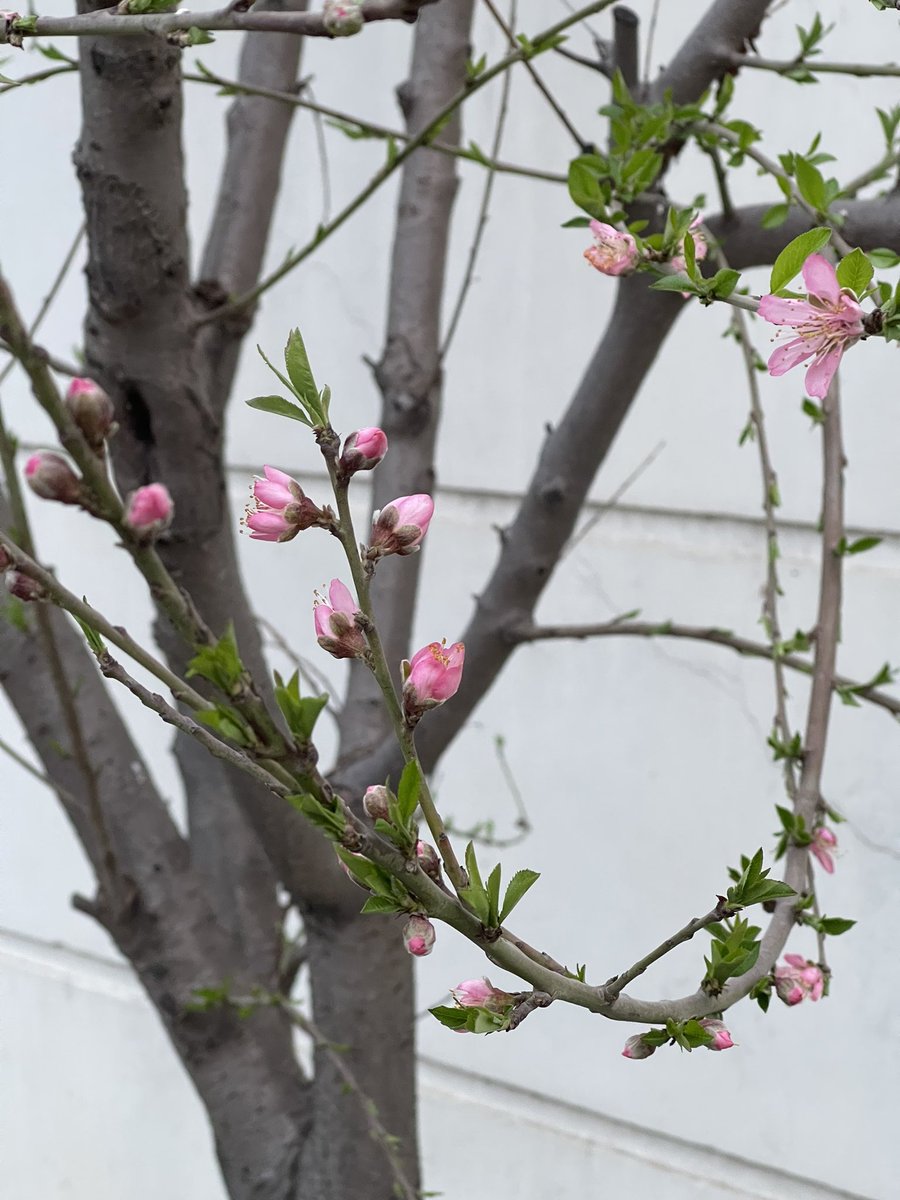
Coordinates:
782 67
37 77
484 208
700 633
615 985
63 793
610 504
536 78
422 138
373 129
648 48
528 1005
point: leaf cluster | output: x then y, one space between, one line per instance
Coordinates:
733 951
484 898
312 405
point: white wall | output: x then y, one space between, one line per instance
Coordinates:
643 766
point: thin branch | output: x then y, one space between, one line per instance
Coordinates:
111 22
37 77
615 985
422 138
536 78
783 67
484 207
372 129
648 48
702 633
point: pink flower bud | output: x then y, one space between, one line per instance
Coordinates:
336 629
363 450
418 935
613 253
149 510
23 587
636 1047
720 1035
375 802
280 509
50 477
480 993
92 411
342 18
434 676
801 979
824 841
429 860
401 525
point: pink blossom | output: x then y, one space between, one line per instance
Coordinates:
418 935
434 676
721 1038
701 249
376 801
280 509
401 525
480 993
828 321
336 628
613 252
91 409
149 509
636 1047
824 841
50 477
363 450
799 980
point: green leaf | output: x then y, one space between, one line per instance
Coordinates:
493 896
308 713
677 282
280 407
220 664
860 546
723 283
810 184
408 793
453 1018
776 216
296 360
381 904
883 259
198 37
814 412
331 823
584 188
516 889
92 637
855 271
794 255
576 223
227 723
475 894
834 926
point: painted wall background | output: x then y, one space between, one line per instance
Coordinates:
643 766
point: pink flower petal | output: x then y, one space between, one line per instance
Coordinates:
821 373
790 354
272 494
820 279
778 311
342 599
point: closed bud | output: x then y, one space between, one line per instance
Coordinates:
342 18
50 477
418 935
428 860
336 628
363 450
721 1038
636 1047
400 526
149 510
823 843
92 411
23 587
480 993
376 801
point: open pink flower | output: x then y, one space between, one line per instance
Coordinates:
613 252
434 676
799 980
721 1038
336 628
828 322
824 841
280 508
401 525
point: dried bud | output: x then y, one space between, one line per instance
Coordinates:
376 801
418 935
342 18
23 587
363 450
92 411
149 510
428 860
50 477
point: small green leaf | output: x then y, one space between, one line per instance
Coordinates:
493 895
227 723
296 361
220 664
794 255
381 904
92 637
883 259
677 282
516 889
408 793
810 184
453 1018
776 216
814 412
280 407
331 823
855 271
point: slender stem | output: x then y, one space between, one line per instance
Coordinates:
615 985
870 175
702 633
375 130
37 77
422 138
783 66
